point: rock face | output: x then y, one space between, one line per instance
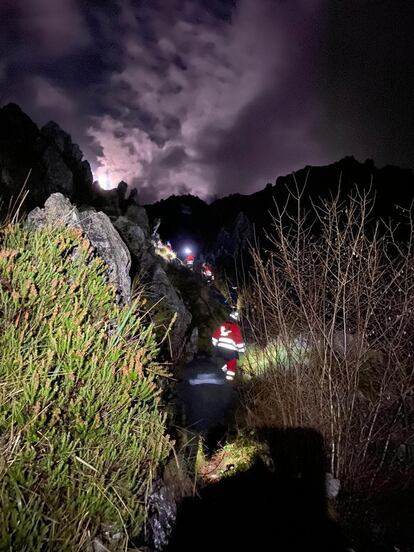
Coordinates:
149 269
72 156
100 232
110 248
115 250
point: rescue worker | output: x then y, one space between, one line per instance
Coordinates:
207 400
189 260
207 272
234 294
228 342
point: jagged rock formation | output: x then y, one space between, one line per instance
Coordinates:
150 271
221 232
186 216
48 155
56 166
50 162
105 237
99 231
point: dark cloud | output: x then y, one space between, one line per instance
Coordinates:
214 96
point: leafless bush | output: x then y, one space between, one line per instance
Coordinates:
330 308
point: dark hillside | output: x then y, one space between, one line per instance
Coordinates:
217 231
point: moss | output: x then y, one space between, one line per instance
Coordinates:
236 456
81 431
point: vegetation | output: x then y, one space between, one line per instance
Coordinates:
165 252
81 431
331 310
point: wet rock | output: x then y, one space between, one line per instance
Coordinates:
162 512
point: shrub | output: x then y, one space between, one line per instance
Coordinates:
330 311
81 431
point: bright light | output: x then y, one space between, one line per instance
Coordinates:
104 180
187 251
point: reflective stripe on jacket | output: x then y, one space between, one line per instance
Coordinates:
228 336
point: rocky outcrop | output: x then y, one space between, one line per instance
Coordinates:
148 267
110 247
57 210
100 232
140 246
115 243
72 156
56 175
51 162
48 155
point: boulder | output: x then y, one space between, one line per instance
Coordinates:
162 512
57 210
99 231
142 250
111 248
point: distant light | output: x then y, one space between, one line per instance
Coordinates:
187 251
104 180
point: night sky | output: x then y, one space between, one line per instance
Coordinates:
214 97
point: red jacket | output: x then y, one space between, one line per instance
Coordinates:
190 259
228 336
207 270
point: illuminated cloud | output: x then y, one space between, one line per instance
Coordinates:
213 96
187 88
48 96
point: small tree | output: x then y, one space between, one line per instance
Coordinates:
331 312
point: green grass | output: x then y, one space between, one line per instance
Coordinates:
81 429
258 360
238 455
